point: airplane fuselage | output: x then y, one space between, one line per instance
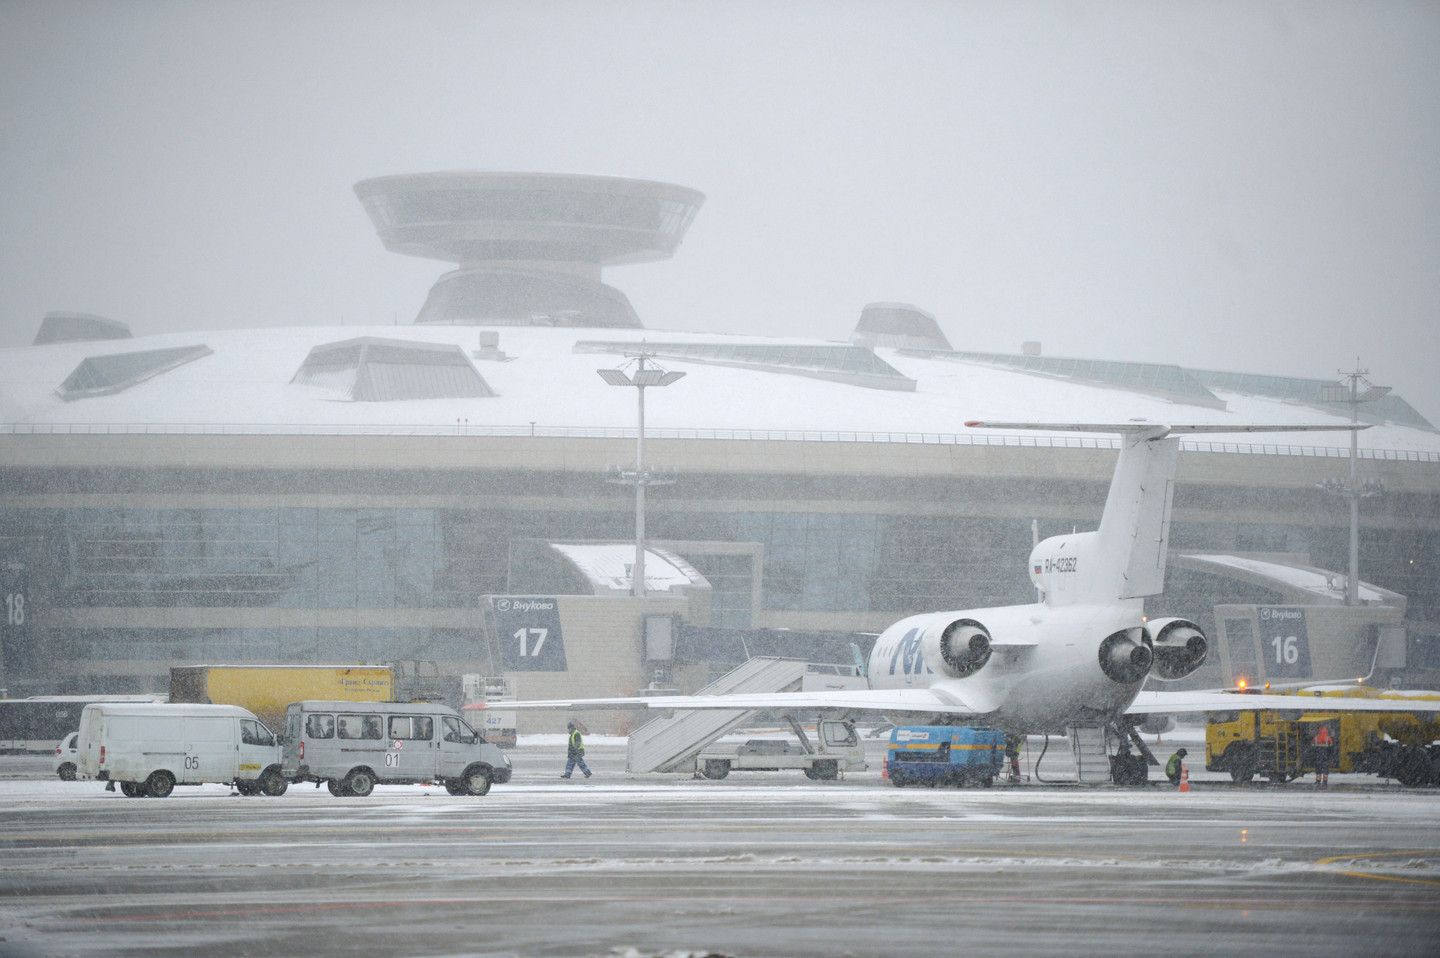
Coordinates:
1045 667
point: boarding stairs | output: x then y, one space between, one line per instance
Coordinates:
1092 759
669 744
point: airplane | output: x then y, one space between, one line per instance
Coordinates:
1076 657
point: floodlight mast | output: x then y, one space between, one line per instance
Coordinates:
1348 390
641 378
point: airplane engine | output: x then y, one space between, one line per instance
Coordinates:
1180 647
1125 656
961 648
1156 724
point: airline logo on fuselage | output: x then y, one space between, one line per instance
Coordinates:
907 656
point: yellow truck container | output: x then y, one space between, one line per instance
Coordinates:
267 689
1276 744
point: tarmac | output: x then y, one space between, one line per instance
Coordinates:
755 864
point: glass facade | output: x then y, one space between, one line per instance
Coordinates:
431 558
285 645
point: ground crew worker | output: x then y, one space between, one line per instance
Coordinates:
1323 742
575 752
1013 744
1175 767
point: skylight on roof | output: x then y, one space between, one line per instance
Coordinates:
1162 379
59 327
855 365
104 375
1390 408
371 369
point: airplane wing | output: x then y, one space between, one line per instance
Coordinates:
929 701
1182 703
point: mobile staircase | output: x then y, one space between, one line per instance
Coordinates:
1088 747
671 744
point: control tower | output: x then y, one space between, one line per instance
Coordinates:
529 246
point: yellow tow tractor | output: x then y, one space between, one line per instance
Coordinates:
1275 744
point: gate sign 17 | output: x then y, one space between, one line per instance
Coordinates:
530 637
1284 645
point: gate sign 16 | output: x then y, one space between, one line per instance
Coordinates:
530 637
1284 645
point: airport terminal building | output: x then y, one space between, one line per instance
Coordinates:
461 488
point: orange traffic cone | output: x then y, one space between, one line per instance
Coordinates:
1184 778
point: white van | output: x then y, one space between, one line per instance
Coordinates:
66 756
350 746
149 749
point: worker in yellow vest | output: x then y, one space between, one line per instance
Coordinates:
575 752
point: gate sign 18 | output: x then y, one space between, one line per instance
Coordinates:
14 617
1284 645
530 637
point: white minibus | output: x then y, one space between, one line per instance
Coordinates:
350 746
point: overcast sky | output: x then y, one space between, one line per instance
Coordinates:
1250 185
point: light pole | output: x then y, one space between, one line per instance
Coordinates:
641 378
1348 390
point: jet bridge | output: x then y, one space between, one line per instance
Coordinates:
671 744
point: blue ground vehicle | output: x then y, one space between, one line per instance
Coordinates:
944 755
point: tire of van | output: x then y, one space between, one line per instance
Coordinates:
132 789
160 784
246 787
272 783
360 782
475 781
336 788
67 772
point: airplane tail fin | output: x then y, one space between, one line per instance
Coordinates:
1125 557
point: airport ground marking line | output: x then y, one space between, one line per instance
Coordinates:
1394 878
1244 903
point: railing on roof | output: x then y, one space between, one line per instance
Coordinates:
744 435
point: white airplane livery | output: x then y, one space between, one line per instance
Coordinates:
1078 656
